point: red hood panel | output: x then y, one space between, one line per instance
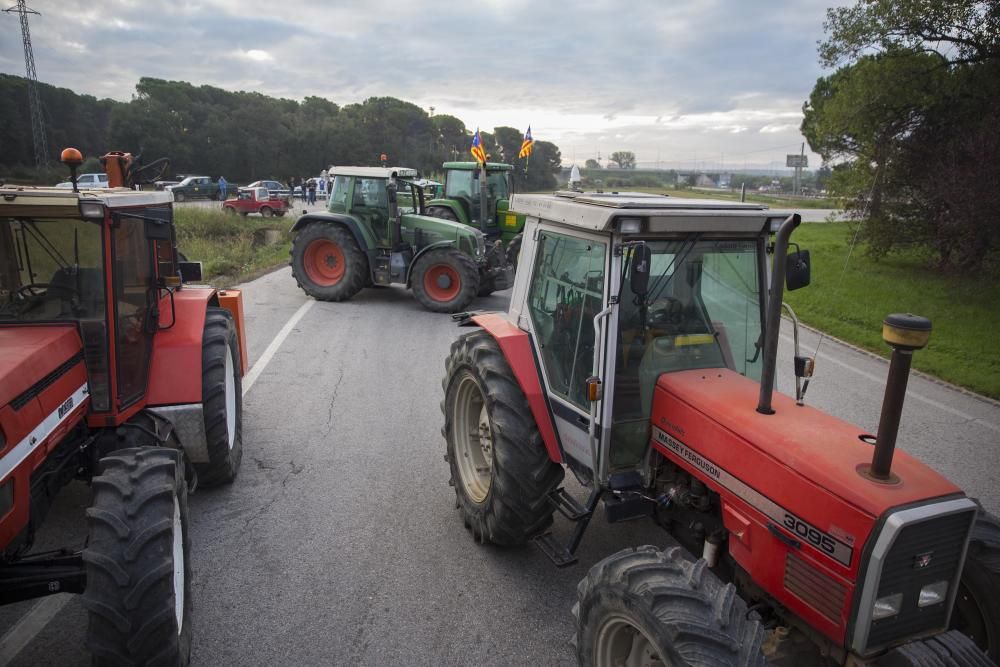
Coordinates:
819 447
28 354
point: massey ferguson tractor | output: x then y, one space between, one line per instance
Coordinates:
639 353
116 372
367 238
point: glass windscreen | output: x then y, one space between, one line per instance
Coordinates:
50 270
702 310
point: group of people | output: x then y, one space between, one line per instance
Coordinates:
307 188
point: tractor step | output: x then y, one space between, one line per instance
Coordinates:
554 549
567 505
626 507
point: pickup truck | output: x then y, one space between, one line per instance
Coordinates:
195 186
256 200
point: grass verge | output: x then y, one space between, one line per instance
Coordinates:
962 309
231 248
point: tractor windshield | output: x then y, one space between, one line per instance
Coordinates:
702 310
50 270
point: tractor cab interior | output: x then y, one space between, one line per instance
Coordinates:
370 202
701 308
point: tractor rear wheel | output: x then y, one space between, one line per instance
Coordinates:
649 607
137 560
327 263
443 213
499 467
445 280
221 398
977 603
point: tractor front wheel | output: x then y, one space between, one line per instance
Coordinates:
977 603
221 399
649 607
499 467
445 280
138 592
327 263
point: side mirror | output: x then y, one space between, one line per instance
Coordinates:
797 270
190 271
639 270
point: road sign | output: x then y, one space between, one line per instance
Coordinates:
798 161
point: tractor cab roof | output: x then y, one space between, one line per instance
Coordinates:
600 211
470 166
61 203
374 172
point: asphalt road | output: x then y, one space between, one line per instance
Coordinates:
340 543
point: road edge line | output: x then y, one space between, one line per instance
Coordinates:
25 630
255 371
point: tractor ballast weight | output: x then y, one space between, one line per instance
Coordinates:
639 352
117 372
366 238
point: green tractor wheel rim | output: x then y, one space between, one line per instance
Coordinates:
442 282
473 441
620 642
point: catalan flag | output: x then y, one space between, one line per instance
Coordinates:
477 149
528 145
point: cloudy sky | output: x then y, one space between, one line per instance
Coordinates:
682 84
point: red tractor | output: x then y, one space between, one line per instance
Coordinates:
639 352
115 372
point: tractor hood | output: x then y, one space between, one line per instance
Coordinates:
30 354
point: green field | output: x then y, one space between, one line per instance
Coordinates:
231 248
962 310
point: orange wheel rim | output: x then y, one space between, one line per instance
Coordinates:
442 282
324 263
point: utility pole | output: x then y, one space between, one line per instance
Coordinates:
34 102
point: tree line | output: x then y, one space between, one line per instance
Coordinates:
909 121
246 136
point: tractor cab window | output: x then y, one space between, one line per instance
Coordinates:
134 299
50 270
460 184
371 203
497 186
338 195
566 292
702 310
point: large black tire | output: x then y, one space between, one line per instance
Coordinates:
508 504
445 280
327 263
977 605
137 560
683 613
222 399
443 213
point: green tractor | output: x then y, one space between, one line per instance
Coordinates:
375 233
483 203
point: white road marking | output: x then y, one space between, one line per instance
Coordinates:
265 358
30 625
909 393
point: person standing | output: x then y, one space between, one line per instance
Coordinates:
312 190
222 187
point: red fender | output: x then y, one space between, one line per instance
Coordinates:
516 347
175 373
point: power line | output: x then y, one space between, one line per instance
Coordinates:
34 102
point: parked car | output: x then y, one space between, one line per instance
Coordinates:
84 181
195 186
256 200
276 188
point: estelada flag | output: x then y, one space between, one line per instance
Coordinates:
477 148
528 145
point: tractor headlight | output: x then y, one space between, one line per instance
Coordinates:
630 225
887 606
480 245
933 594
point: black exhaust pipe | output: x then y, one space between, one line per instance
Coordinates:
772 318
904 334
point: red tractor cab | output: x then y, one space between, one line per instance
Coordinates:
256 200
114 370
639 353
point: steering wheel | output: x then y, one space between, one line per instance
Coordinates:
31 288
664 315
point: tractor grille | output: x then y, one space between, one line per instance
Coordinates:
923 553
819 591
